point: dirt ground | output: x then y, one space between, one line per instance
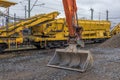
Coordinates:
33 66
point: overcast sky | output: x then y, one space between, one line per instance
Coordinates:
99 6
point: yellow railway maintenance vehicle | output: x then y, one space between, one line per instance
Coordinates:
115 30
14 34
55 33
95 30
15 30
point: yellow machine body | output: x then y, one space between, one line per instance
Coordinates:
6 3
95 29
115 30
14 33
56 30
51 34
92 29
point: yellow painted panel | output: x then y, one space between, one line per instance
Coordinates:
6 3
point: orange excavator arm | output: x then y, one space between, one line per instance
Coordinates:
71 57
70 10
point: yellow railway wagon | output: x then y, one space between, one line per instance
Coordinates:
56 32
115 30
95 30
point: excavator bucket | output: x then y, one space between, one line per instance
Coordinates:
71 58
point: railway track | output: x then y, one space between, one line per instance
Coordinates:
32 51
24 52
